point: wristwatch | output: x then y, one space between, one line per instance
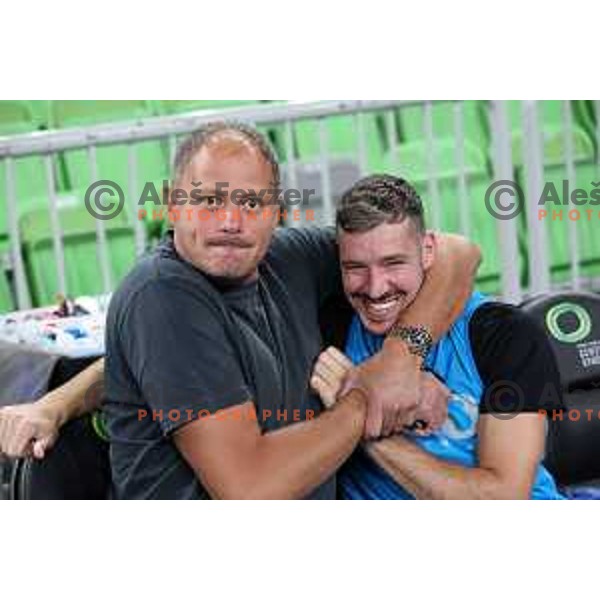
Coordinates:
417 337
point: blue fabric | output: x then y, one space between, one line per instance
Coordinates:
451 359
582 492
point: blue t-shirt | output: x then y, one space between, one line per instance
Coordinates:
452 360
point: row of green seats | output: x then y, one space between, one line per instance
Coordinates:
555 170
72 175
30 180
410 122
73 168
30 172
556 219
413 166
342 133
342 139
81 252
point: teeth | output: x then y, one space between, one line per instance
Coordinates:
381 306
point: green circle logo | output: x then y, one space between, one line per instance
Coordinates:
573 337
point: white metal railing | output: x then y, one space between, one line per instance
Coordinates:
167 128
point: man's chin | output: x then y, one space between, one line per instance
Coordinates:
233 275
377 327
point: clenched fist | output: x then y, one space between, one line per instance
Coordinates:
329 373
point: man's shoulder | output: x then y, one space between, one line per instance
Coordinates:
510 346
159 277
301 255
494 321
301 241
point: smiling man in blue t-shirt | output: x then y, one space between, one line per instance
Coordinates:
494 365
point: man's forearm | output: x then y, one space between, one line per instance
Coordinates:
428 477
80 395
447 286
295 460
235 461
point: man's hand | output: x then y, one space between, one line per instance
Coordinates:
433 403
329 373
390 380
28 430
32 429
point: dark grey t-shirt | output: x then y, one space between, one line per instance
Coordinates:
180 345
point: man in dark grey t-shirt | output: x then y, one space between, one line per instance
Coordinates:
196 343
225 316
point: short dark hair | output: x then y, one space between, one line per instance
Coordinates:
194 142
379 199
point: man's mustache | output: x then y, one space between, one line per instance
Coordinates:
384 298
236 242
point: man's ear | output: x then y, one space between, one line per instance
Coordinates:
428 249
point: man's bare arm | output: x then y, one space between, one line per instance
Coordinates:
31 429
447 286
234 461
509 454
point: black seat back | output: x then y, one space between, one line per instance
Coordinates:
572 323
76 468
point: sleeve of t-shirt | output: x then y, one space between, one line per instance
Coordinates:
515 361
175 342
314 251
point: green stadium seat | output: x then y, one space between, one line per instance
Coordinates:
551 126
112 161
584 110
174 107
16 118
412 164
19 116
41 112
557 230
343 140
82 263
6 300
412 122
